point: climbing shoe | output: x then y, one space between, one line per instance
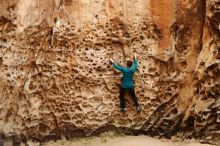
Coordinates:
123 110
138 109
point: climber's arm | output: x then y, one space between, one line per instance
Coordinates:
134 67
116 66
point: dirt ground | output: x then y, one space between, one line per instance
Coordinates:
120 141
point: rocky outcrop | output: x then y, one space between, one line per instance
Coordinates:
56 79
207 93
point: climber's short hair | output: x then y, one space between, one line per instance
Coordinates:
129 63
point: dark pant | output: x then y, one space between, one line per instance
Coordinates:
122 94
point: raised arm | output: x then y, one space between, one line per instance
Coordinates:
116 66
134 67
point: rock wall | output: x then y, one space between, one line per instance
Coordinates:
207 76
56 79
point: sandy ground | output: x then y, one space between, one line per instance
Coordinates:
120 141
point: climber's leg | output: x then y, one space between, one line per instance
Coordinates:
122 99
132 92
134 98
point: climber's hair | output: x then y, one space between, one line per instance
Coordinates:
129 63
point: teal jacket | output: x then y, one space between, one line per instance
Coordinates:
128 73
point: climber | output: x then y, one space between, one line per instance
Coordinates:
127 83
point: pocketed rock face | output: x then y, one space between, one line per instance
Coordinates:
56 79
207 74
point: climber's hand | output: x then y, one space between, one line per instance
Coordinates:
111 60
135 56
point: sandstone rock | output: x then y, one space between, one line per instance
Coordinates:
56 79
